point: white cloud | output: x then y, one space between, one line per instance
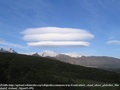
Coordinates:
55 36
58 43
13 45
114 42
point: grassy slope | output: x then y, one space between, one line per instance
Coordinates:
15 68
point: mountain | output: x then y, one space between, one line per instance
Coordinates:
31 70
55 54
10 50
48 53
73 55
101 62
91 61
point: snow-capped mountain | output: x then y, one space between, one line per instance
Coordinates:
10 50
73 55
48 53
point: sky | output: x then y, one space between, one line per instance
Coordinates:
88 27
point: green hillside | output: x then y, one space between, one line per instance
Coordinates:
23 69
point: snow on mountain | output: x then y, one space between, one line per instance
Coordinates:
10 50
48 53
73 55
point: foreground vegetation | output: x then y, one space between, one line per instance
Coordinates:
23 69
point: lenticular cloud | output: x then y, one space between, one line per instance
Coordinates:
55 36
114 42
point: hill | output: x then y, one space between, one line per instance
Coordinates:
23 69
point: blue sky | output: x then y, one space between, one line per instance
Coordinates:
22 23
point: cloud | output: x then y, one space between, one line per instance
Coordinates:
114 42
14 45
56 36
2 42
59 43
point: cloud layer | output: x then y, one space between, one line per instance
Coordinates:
59 43
55 36
8 44
114 42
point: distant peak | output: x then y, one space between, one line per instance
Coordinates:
10 50
73 55
49 53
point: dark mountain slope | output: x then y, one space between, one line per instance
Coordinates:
16 68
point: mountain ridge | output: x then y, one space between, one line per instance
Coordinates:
48 53
101 62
